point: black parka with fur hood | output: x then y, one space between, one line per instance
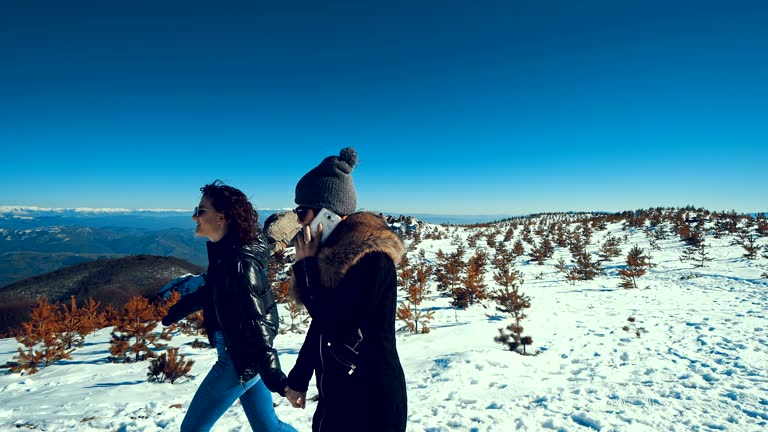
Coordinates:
238 301
350 290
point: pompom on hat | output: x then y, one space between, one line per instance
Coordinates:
329 185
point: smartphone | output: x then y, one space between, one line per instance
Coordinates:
329 220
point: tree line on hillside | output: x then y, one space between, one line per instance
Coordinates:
108 281
55 330
461 277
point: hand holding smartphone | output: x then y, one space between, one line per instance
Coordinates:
329 220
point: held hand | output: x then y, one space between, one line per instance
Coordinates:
297 399
306 248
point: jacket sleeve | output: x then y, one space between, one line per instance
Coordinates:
253 325
298 378
188 304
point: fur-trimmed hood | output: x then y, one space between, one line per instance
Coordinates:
359 234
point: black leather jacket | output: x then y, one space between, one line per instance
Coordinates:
238 301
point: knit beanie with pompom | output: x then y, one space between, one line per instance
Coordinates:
329 185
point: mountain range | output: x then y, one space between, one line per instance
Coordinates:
109 281
36 240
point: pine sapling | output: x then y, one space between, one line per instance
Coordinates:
472 288
449 269
609 249
416 320
749 243
762 225
511 301
169 367
78 322
518 249
637 265
133 333
41 336
541 252
299 317
696 248
561 266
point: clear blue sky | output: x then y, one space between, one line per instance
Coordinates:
472 107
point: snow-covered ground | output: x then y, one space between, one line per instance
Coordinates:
700 364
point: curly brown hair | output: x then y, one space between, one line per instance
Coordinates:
238 211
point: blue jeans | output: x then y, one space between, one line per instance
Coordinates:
220 389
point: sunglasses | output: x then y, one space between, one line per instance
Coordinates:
302 211
197 212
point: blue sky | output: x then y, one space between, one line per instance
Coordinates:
478 107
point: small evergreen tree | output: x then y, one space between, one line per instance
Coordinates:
583 266
76 323
696 248
609 249
765 255
749 243
508 234
518 248
111 315
561 266
490 240
41 336
511 301
525 233
637 265
134 332
192 325
542 252
404 272
561 235
169 367
449 270
418 289
538 254
473 288
762 225
507 276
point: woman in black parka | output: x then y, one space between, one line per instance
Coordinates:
349 286
240 315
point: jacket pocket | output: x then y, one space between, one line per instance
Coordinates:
346 354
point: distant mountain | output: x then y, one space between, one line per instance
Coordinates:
28 252
109 281
457 219
15 266
19 217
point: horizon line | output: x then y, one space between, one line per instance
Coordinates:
21 208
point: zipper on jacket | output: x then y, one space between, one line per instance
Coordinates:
320 386
346 363
354 348
306 277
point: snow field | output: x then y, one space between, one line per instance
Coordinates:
699 364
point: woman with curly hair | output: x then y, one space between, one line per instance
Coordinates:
240 315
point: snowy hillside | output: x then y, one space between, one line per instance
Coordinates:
700 362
